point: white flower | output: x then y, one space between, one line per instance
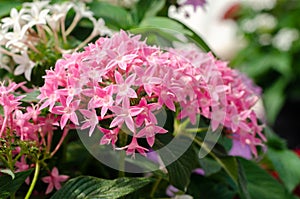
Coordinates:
9 22
38 4
284 39
25 65
259 5
15 38
82 11
100 28
4 60
36 16
58 12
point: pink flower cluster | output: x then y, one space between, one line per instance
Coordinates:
123 81
27 124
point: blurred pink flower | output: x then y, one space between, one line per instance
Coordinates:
54 180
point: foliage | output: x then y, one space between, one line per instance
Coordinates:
272 40
41 143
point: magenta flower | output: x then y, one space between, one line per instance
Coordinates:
54 180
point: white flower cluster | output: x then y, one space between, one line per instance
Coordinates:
41 22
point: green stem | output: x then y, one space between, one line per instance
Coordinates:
122 164
196 130
123 141
13 196
154 188
35 177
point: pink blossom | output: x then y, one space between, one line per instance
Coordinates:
91 120
147 112
54 180
123 88
67 111
101 98
121 80
23 166
134 146
149 132
125 114
110 136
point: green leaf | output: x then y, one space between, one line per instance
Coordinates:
274 98
185 162
273 140
164 23
287 164
218 185
242 183
195 38
9 185
115 17
177 28
92 187
145 9
228 163
162 37
209 166
7 5
31 97
260 184
8 172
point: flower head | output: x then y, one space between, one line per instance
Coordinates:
123 82
54 180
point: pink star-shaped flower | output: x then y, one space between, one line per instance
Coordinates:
54 180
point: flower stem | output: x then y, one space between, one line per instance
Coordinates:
123 140
35 177
65 132
155 187
196 130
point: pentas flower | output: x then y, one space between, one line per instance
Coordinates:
122 83
54 180
26 132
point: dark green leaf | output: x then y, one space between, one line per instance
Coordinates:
228 163
115 17
261 185
273 140
215 186
242 183
8 172
9 185
185 161
144 9
287 164
209 166
92 187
